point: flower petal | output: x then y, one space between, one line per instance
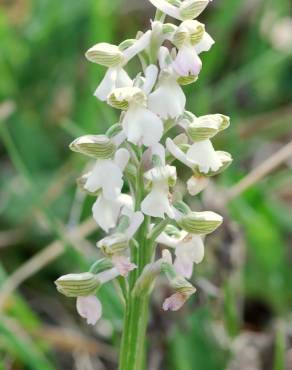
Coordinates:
107 84
183 267
205 44
142 126
167 8
174 302
156 203
123 265
151 74
203 155
196 184
89 308
177 152
111 184
168 100
122 157
106 212
187 62
138 46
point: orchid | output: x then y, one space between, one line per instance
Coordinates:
138 202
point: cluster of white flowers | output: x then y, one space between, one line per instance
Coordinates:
133 178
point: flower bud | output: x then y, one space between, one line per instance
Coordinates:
113 244
191 9
105 54
120 98
201 223
96 146
208 126
78 285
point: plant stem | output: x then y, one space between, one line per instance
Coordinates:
132 352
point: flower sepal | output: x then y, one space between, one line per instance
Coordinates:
200 223
78 285
105 54
95 146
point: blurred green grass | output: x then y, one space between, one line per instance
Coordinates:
48 84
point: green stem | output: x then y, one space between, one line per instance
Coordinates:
132 353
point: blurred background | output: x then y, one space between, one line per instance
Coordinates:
241 317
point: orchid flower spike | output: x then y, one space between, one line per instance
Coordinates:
138 200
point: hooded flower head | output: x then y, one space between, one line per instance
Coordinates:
115 58
140 125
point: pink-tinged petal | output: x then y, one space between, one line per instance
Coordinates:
174 302
108 275
123 265
184 267
89 308
187 62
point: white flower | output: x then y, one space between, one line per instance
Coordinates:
187 62
157 203
188 9
116 76
107 175
106 212
189 250
140 125
201 155
89 308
